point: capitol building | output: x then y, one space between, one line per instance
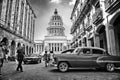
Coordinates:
55 40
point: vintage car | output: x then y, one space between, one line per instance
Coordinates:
34 58
87 57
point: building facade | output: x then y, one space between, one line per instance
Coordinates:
17 23
39 46
96 23
56 40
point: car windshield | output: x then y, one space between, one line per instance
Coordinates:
68 51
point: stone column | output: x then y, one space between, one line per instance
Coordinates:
50 46
53 46
61 46
56 46
89 42
108 37
96 40
112 45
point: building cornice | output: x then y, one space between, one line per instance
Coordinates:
28 3
75 6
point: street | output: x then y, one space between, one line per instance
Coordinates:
39 72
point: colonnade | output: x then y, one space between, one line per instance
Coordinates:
55 46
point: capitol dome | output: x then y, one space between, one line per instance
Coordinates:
55 40
56 25
56 20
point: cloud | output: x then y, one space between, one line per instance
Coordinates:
55 1
72 2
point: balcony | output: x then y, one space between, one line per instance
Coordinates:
97 16
89 26
82 31
112 5
85 8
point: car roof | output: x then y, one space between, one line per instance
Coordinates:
69 49
93 48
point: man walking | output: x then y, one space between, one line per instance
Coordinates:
20 57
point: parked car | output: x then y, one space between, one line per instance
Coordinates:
34 58
87 57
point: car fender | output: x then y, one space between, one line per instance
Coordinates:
103 60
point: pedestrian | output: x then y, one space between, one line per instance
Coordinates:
20 57
1 56
46 58
6 57
5 50
51 57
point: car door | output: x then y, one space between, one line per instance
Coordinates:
95 54
73 58
89 57
85 57
81 58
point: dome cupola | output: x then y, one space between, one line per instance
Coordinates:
56 19
56 25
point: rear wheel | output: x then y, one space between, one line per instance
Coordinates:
110 67
63 66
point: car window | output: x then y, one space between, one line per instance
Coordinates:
97 51
77 51
68 51
84 51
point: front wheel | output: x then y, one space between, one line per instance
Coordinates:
63 66
110 67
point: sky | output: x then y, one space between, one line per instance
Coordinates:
44 9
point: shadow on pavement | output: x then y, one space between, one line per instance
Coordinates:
83 70
31 63
11 73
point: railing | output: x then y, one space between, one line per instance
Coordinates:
112 5
108 3
83 10
97 16
82 30
6 26
88 25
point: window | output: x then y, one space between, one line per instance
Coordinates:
1 7
85 51
97 51
77 51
